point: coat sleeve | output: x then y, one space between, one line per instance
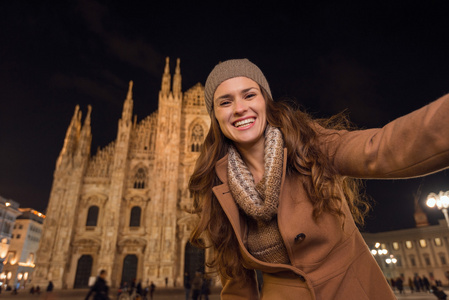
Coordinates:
413 145
240 289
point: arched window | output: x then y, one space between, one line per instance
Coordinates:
129 271
83 271
134 220
197 137
140 179
92 216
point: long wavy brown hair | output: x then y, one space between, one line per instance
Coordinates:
304 157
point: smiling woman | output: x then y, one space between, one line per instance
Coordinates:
276 190
239 108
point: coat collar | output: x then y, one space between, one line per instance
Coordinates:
221 168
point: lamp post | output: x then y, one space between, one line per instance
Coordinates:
391 259
377 251
441 201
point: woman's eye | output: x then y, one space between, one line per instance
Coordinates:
249 96
224 103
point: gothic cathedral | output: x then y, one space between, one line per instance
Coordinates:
122 210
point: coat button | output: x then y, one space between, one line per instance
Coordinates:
300 237
301 278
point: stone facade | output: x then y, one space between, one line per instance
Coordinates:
122 209
422 251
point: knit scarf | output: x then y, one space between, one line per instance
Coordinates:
260 201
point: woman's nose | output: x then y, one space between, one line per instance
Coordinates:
240 106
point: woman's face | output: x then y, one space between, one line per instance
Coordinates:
240 110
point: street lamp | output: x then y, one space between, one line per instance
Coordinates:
391 259
380 254
378 251
441 201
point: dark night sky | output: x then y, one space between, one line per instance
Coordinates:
377 60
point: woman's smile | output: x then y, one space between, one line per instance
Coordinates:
245 123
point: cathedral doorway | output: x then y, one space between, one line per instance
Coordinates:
194 260
83 272
129 271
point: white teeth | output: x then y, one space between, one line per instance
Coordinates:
244 122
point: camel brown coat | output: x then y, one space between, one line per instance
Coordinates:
326 261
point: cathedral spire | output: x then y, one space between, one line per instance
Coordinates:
165 87
85 140
130 90
177 78
71 136
128 105
86 130
87 120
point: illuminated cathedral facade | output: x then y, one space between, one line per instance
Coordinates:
123 209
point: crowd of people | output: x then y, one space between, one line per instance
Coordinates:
418 284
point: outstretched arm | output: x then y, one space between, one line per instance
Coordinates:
413 145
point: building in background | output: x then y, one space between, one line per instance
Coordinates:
422 251
9 211
19 262
123 209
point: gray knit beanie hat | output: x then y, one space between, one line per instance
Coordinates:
230 69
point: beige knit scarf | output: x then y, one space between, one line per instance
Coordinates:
260 201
